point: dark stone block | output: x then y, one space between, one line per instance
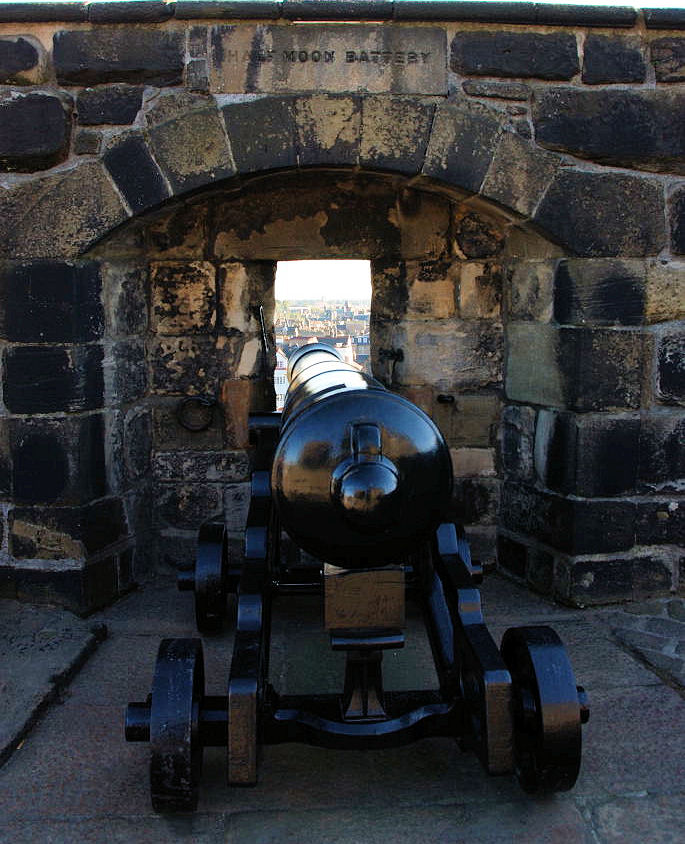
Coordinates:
58 461
677 216
573 526
87 142
600 581
178 550
461 145
603 214
130 378
45 379
118 104
51 302
661 521
262 133
136 174
127 54
662 455
43 11
500 90
671 368
512 556
310 10
604 292
612 59
186 505
129 11
587 455
193 365
540 571
664 18
16 55
125 296
518 442
227 9
34 132
668 58
476 500
523 54
624 128
201 466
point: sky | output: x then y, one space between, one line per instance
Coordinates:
323 280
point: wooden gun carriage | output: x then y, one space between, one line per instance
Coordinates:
359 478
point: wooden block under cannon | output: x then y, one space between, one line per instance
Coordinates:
363 599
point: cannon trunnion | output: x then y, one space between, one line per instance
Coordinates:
359 478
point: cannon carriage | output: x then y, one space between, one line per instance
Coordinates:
360 479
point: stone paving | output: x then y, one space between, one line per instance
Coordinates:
74 778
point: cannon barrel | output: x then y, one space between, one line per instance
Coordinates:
361 476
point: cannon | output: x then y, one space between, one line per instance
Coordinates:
360 479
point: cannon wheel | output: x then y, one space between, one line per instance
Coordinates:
177 692
547 718
211 577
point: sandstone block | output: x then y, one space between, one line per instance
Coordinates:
169 435
262 133
21 60
467 420
34 132
529 291
480 291
432 289
201 466
522 54
610 58
87 142
183 297
599 292
500 90
473 462
395 133
327 130
125 371
193 366
665 293
671 367
476 236
677 220
54 217
389 292
124 54
136 174
662 456
125 287
518 442
668 58
424 222
186 505
117 104
180 233
603 214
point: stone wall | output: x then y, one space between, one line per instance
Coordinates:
515 175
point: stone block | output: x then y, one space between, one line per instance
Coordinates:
603 214
665 293
518 442
520 54
87 142
530 289
461 146
395 132
677 220
477 236
389 291
51 302
570 525
189 142
540 571
183 297
431 288
169 434
201 466
192 366
512 556
125 286
574 368
129 438
243 287
473 462
125 372
236 401
236 504
34 131
611 58
327 130
671 367
662 456
466 420
261 131
180 233
116 104
599 292
519 174
186 505
57 461
424 221
499 90
624 128
119 54
21 60
480 291
129 11
136 174
54 217
668 57
48 379
585 454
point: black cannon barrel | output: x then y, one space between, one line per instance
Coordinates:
360 475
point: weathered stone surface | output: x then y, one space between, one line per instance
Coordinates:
668 58
129 440
36 224
467 420
183 297
125 372
603 214
529 290
126 54
480 290
87 142
45 379
57 461
118 104
180 233
189 141
671 367
512 556
193 365
620 127
574 368
662 456
395 133
327 130
586 455
500 90
476 236
186 506
607 579
677 220
125 287
262 133
473 462
20 60
129 11
243 288
34 131
519 174
525 54
476 500
170 435
661 521
277 59
518 442
135 173
612 59
424 222
201 466
599 292
431 289
461 146
665 293
51 302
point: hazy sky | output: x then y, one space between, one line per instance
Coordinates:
323 280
